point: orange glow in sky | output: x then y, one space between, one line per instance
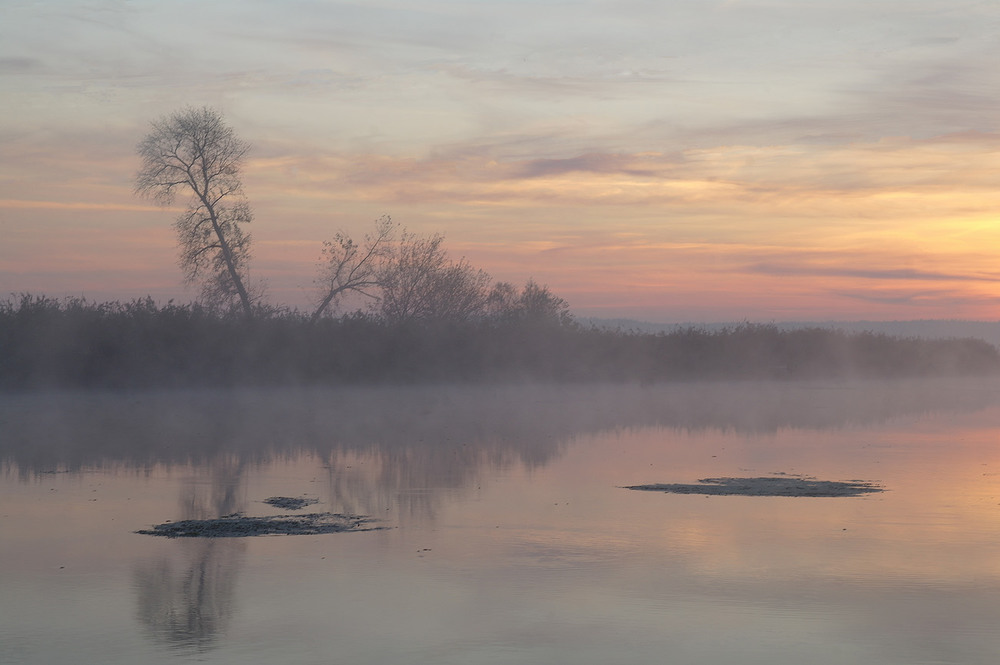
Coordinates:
660 161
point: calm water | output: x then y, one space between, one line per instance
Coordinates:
509 538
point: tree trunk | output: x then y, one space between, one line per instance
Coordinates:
227 254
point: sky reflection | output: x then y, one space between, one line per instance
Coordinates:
509 534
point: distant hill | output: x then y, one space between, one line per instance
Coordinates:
924 329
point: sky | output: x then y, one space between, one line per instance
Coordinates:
663 160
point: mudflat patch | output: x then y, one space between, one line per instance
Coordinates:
766 486
240 526
290 502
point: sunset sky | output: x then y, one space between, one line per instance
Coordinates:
666 160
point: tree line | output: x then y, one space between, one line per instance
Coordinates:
403 277
73 343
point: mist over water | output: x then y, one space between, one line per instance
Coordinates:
73 430
508 534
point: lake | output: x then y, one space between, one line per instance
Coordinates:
506 534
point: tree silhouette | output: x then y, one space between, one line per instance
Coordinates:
419 282
194 150
347 266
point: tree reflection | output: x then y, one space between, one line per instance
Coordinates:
186 598
448 431
188 601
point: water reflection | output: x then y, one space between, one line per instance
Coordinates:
429 436
187 599
514 535
396 448
186 594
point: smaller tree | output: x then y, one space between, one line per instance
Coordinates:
406 276
346 266
502 301
533 304
459 292
413 279
539 305
420 282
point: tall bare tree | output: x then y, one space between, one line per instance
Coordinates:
346 266
195 151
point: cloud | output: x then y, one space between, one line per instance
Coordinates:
943 298
904 274
590 163
924 99
606 81
76 205
903 181
19 65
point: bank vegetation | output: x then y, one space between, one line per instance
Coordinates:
74 343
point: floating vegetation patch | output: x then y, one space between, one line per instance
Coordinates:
767 486
290 503
240 526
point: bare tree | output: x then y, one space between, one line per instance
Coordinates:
502 301
459 292
195 151
407 275
346 266
413 279
533 304
540 306
419 282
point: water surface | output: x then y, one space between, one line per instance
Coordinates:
509 537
